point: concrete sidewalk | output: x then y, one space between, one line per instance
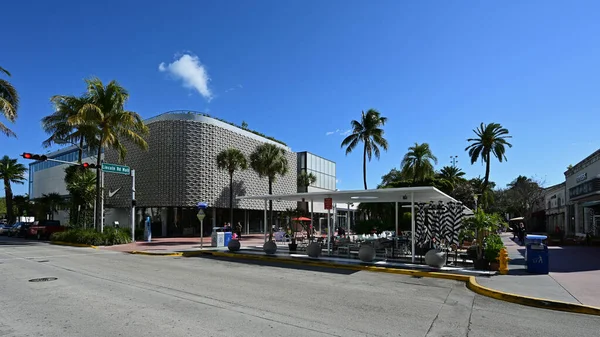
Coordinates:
574 275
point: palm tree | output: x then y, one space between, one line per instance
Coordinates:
416 163
22 204
81 185
369 132
451 174
51 203
9 103
491 139
268 160
105 110
11 172
231 160
61 128
306 179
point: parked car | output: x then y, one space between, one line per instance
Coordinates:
15 230
4 229
22 229
44 228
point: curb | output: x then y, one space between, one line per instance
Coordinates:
135 252
531 301
60 243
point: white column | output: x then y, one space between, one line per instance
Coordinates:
348 219
397 224
312 216
412 223
576 206
265 225
328 232
133 207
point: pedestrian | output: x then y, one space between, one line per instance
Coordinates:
239 230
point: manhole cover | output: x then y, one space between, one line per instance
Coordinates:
43 279
44 261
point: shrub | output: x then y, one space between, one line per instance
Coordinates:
367 226
111 236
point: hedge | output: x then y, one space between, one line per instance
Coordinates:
111 236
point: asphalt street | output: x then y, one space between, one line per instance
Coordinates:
106 293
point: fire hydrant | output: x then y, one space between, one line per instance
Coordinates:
503 260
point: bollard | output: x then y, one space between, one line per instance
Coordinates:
503 260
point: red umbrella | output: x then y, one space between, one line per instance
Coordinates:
301 219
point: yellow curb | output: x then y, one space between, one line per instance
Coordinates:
531 301
72 244
470 281
154 253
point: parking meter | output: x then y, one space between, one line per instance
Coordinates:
202 206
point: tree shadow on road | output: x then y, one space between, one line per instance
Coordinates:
283 265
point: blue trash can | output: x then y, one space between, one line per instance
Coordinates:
227 238
536 254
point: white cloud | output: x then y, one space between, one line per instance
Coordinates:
239 86
339 132
191 72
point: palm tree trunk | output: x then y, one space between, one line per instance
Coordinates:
231 199
365 166
98 188
9 201
80 152
270 210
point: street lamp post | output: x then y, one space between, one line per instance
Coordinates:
454 160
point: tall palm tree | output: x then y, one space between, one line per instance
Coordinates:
113 124
452 174
59 125
11 172
22 204
268 160
368 131
81 185
491 139
231 160
9 103
417 162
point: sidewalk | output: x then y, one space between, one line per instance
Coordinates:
178 244
574 275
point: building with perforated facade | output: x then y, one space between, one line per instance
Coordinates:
179 170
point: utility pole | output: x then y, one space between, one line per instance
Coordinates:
454 160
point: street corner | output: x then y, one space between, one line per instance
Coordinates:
137 252
474 286
61 243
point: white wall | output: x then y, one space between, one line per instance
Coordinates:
51 180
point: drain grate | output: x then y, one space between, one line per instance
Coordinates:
44 279
43 261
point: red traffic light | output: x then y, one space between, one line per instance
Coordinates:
32 156
89 166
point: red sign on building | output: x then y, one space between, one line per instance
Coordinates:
328 203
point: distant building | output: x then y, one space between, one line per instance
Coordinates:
583 196
555 207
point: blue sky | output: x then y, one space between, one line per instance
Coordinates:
436 69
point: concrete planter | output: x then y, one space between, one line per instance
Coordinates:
234 245
435 258
314 250
270 247
366 253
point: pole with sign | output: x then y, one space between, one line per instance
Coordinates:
201 215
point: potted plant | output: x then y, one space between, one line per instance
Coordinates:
493 245
481 223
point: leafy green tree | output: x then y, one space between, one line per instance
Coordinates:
231 160
51 203
11 172
491 139
81 185
113 124
417 163
22 205
268 160
9 103
368 131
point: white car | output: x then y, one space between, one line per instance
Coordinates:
4 229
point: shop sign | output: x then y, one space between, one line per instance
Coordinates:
581 177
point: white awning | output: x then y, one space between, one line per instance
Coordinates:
423 194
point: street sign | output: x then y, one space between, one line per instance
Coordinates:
328 203
201 215
114 168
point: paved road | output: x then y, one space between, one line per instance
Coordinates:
104 293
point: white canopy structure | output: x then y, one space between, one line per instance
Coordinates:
410 195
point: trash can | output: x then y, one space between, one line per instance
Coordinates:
536 254
217 237
226 238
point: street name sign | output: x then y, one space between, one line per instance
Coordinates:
114 168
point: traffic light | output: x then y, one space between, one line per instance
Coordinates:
32 156
89 166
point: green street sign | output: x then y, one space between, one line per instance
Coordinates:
113 168
201 215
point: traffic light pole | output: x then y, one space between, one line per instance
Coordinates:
101 201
